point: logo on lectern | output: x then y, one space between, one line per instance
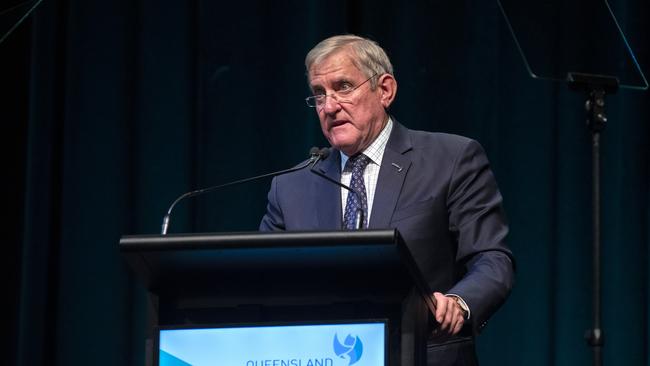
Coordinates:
351 348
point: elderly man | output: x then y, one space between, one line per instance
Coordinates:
436 189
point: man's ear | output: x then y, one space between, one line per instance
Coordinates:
387 86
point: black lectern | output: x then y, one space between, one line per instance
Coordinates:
286 277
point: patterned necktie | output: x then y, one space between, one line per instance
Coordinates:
360 201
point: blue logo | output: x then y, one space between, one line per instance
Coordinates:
352 348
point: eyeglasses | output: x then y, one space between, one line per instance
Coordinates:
342 95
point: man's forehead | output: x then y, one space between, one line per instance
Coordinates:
338 65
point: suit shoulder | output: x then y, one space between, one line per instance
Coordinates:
299 174
441 142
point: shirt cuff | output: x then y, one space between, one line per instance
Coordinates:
462 303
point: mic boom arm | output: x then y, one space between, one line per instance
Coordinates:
315 156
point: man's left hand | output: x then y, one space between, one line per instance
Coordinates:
449 314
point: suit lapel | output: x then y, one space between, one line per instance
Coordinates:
328 203
394 167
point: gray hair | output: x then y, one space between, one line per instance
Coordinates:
366 54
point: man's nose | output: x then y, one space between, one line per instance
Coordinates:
331 105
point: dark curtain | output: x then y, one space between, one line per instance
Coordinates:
117 107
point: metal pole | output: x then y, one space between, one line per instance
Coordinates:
596 120
596 336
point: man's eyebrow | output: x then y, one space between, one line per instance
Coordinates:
336 82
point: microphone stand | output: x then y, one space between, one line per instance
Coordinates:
596 87
314 158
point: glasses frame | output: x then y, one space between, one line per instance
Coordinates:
312 101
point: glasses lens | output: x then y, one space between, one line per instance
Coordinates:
341 96
315 101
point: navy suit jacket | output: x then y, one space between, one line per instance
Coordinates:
439 192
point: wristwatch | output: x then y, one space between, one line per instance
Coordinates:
462 304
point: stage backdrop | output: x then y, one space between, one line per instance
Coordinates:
131 103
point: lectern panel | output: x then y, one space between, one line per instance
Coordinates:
290 278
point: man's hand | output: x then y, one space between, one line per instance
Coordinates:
449 314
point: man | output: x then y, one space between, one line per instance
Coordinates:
436 189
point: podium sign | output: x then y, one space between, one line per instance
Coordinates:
291 345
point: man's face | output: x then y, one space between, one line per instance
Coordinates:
352 125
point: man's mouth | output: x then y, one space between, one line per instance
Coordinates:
338 122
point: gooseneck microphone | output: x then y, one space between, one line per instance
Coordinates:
315 155
323 154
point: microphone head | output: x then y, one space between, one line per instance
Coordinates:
324 153
314 151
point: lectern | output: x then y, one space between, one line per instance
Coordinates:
287 278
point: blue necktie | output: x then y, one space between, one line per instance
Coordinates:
355 202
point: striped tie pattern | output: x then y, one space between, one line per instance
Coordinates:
355 202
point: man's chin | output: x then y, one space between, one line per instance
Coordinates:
347 149
344 141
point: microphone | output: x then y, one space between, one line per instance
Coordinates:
315 155
323 154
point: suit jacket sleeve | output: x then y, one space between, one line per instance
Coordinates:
478 221
273 220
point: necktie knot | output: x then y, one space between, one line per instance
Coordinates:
357 162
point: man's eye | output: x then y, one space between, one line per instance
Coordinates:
346 87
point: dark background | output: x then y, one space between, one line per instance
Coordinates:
111 109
